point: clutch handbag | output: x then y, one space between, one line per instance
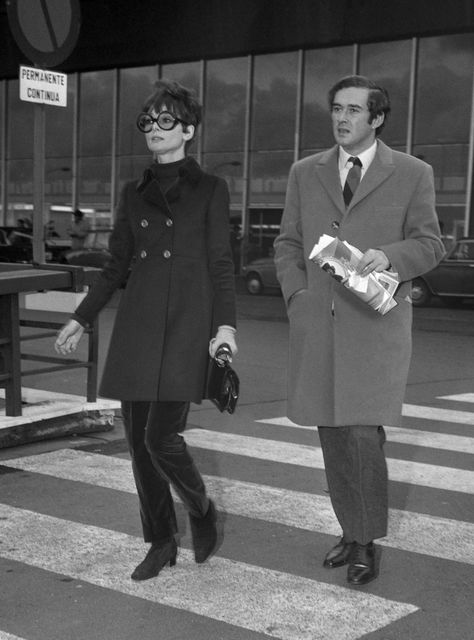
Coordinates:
223 382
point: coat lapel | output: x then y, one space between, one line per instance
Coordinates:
380 169
327 171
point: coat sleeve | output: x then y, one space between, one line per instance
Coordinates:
289 252
422 248
220 263
114 273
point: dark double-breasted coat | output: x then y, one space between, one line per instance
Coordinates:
348 365
180 287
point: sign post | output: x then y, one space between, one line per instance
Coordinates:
46 31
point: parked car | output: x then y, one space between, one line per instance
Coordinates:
260 276
452 280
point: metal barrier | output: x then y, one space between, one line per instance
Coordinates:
15 279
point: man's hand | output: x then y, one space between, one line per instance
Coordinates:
372 260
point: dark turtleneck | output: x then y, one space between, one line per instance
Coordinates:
167 173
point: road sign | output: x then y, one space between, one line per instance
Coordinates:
46 87
45 30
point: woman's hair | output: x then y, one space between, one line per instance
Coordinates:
378 101
176 99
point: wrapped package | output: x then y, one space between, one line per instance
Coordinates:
340 259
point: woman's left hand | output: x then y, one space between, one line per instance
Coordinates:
224 335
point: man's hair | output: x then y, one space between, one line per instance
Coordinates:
378 101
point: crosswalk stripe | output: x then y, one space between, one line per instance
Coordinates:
415 437
8 636
438 413
281 605
419 473
409 531
459 397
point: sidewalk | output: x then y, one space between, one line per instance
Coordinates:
54 406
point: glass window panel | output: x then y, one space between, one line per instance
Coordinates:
388 64
274 101
442 122
135 87
224 108
20 123
94 186
96 110
323 68
444 91
59 125
269 177
230 167
188 74
19 191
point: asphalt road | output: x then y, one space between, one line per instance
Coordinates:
70 533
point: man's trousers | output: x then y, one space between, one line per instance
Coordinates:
356 472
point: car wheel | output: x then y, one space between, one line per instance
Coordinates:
254 284
420 294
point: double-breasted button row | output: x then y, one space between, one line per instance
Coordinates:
166 254
144 222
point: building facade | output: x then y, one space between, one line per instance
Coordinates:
262 111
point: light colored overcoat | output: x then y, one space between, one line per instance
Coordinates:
347 363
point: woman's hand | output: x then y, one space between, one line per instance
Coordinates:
68 337
225 335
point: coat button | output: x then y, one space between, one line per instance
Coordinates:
166 254
144 223
169 222
143 254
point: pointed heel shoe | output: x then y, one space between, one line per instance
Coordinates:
158 556
204 534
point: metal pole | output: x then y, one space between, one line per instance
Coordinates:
38 180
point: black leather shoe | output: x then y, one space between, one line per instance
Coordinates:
204 533
157 557
339 555
362 568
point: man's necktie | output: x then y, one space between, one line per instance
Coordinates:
352 180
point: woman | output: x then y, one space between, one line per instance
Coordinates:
172 233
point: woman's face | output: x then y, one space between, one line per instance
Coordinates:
169 145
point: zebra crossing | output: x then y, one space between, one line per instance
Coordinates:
251 600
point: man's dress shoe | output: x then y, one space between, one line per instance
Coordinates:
339 555
362 568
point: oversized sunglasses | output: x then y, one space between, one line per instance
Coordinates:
165 121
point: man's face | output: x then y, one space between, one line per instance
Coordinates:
350 120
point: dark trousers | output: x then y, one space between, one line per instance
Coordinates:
356 471
160 457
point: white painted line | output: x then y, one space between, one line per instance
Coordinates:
8 636
459 397
415 437
419 473
415 532
436 413
282 605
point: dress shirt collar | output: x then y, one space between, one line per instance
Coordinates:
365 157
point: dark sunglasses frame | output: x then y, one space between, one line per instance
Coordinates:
153 121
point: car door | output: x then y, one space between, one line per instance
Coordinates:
454 276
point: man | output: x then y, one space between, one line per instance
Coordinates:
348 365
79 230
